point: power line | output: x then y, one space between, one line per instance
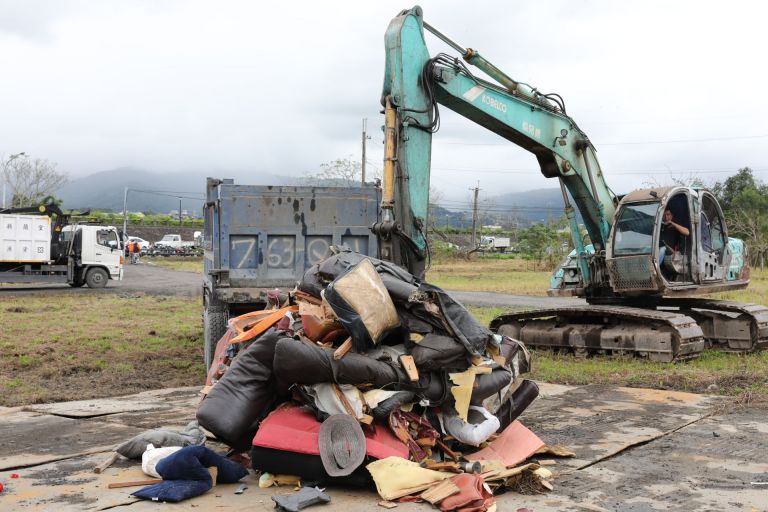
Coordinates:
678 141
176 195
170 191
514 209
631 143
618 172
718 170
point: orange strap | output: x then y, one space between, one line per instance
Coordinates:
244 322
262 325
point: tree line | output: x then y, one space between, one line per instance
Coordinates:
744 200
742 197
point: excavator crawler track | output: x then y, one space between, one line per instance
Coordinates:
658 335
727 325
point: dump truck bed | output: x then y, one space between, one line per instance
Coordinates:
258 238
267 236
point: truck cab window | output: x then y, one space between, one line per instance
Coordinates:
107 238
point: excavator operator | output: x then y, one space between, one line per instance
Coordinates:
670 236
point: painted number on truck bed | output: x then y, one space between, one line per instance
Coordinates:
242 251
281 251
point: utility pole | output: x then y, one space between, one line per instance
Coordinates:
125 214
365 137
474 216
179 211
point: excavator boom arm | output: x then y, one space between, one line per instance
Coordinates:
415 83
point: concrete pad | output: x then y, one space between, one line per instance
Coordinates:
682 468
66 485
690 470
94 408
141 402
599 421
547 389
30 438
72 485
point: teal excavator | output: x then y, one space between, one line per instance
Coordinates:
637 283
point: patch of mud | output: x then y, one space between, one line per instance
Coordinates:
55 474
61 379
77 498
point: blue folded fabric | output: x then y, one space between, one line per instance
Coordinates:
185 474
174 490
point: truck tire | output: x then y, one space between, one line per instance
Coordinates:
214 327
96 277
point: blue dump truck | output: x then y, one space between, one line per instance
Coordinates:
258 238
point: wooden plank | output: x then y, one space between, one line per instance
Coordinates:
452 454
134 483
343 349
106 463
439 492
451 467
343 399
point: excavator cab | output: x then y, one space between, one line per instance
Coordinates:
693 258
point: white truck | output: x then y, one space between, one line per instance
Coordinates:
173 245
174 242
38 246
494 243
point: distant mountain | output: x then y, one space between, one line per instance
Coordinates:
513 209
104 190
539 205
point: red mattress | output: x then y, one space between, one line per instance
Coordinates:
295 429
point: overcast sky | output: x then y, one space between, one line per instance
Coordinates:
281 87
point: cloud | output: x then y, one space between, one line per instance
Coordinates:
283 87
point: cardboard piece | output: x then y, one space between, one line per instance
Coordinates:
396 477
464 383
439 492
515 444
462 391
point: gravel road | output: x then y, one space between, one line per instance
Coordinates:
151 279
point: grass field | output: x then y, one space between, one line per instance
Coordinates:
95 345
515 276
85 346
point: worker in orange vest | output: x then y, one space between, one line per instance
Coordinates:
135 253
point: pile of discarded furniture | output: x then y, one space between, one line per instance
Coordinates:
364 375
